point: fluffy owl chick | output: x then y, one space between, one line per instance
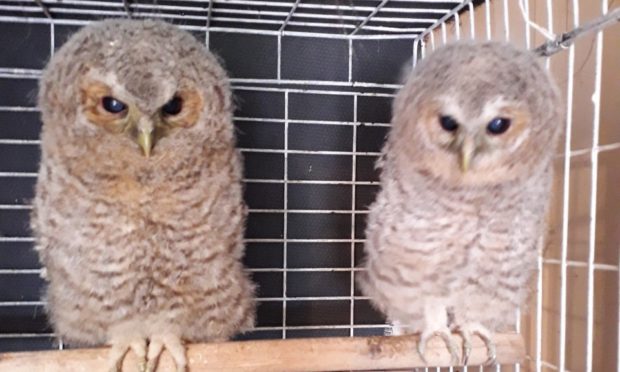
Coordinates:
138 214
454 234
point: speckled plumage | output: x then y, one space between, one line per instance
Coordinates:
449 249
135 247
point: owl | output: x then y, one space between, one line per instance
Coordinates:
139 214
455 231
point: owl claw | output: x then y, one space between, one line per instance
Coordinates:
421 348
466 346
119 350
446 337
485 335
175 347
491 353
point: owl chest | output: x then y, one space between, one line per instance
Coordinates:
457 227
122 218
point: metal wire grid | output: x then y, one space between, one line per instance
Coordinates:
422 44
341 18
538 359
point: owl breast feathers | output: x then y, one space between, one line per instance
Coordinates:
138 214
454 235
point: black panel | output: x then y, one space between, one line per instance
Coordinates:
18 255
257 104
319 226
318 255
17 190
269 313
305 58
326 197
306 313
319 167
18 92
62 33
20 287
19 125
365 168
360 254
14 222
268 284
331 107
19 158
365 313
263 255
360 225
374 109
320 137
312 284
371 138
307 333
26 45
260 195
260 135
263 166
365 195
246 56
380 61
27 343
265 225
23 319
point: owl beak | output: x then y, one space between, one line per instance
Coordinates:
145 141
466 153
145 135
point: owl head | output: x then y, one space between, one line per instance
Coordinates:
137 89
476 113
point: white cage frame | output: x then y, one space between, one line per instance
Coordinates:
423 40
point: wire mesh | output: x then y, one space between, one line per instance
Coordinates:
310 138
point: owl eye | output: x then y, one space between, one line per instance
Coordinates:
448 123
173 107
498 126
112 105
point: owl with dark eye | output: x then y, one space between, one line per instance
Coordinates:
139 213
454 235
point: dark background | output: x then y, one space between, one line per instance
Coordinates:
335 132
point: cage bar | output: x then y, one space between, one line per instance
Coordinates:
566 191
596 121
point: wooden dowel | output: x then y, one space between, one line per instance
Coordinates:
313 354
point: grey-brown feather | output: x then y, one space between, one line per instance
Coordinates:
469 241
130 245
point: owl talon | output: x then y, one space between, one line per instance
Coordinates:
466 345
491 353
175 347
119 350
475 328
421 347
446 336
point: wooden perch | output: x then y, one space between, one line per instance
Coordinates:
316 354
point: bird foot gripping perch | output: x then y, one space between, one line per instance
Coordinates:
466 333
446 336
148 357
452 346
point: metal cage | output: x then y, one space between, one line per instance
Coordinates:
313 82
